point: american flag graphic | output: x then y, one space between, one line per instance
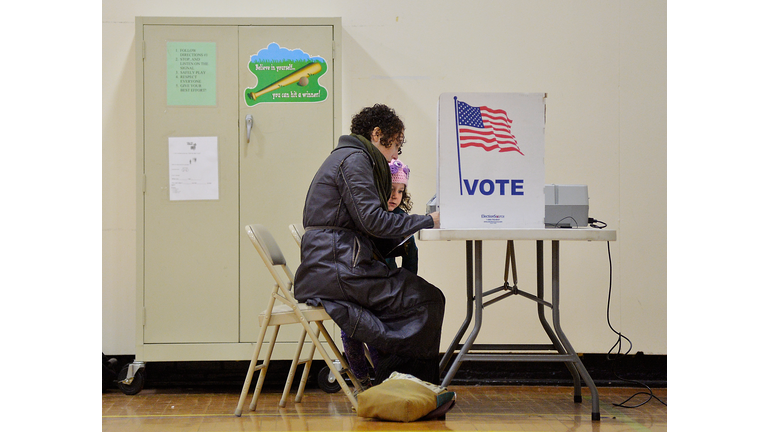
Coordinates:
489 129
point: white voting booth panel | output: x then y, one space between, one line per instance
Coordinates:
490 152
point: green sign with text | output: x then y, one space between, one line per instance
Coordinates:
191 73
285 75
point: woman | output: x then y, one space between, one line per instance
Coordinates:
345 212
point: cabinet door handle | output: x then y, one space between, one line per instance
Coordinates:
248 126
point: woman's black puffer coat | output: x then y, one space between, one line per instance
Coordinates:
394 311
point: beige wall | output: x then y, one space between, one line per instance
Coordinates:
603 66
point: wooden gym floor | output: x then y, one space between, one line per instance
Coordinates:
478 408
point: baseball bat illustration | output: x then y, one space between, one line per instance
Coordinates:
306 71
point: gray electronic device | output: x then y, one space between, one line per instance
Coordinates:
432 205
566 206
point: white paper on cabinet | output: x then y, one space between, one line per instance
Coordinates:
193 168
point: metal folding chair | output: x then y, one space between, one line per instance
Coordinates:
298 232
289 311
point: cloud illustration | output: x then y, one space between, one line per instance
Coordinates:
274 52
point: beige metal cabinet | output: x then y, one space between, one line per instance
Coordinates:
201 283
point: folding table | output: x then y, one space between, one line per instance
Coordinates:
561 348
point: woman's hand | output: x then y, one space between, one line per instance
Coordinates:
436 219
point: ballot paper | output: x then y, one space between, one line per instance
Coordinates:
390 248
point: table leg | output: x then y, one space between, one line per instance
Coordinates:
545 324
559 331
460 334
478 274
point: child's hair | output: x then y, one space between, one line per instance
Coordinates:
406 203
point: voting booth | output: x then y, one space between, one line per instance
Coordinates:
490 151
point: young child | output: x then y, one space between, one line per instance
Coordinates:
399 202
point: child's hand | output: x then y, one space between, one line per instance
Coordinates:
436 219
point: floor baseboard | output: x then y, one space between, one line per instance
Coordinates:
635 370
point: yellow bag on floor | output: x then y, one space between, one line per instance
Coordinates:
402 398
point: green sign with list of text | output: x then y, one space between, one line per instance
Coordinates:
191 76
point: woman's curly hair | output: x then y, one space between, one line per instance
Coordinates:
364 122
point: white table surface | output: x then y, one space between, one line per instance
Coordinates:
577 234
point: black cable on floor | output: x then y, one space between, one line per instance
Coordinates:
619 354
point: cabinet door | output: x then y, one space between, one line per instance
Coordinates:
191 247
203 281
290 138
